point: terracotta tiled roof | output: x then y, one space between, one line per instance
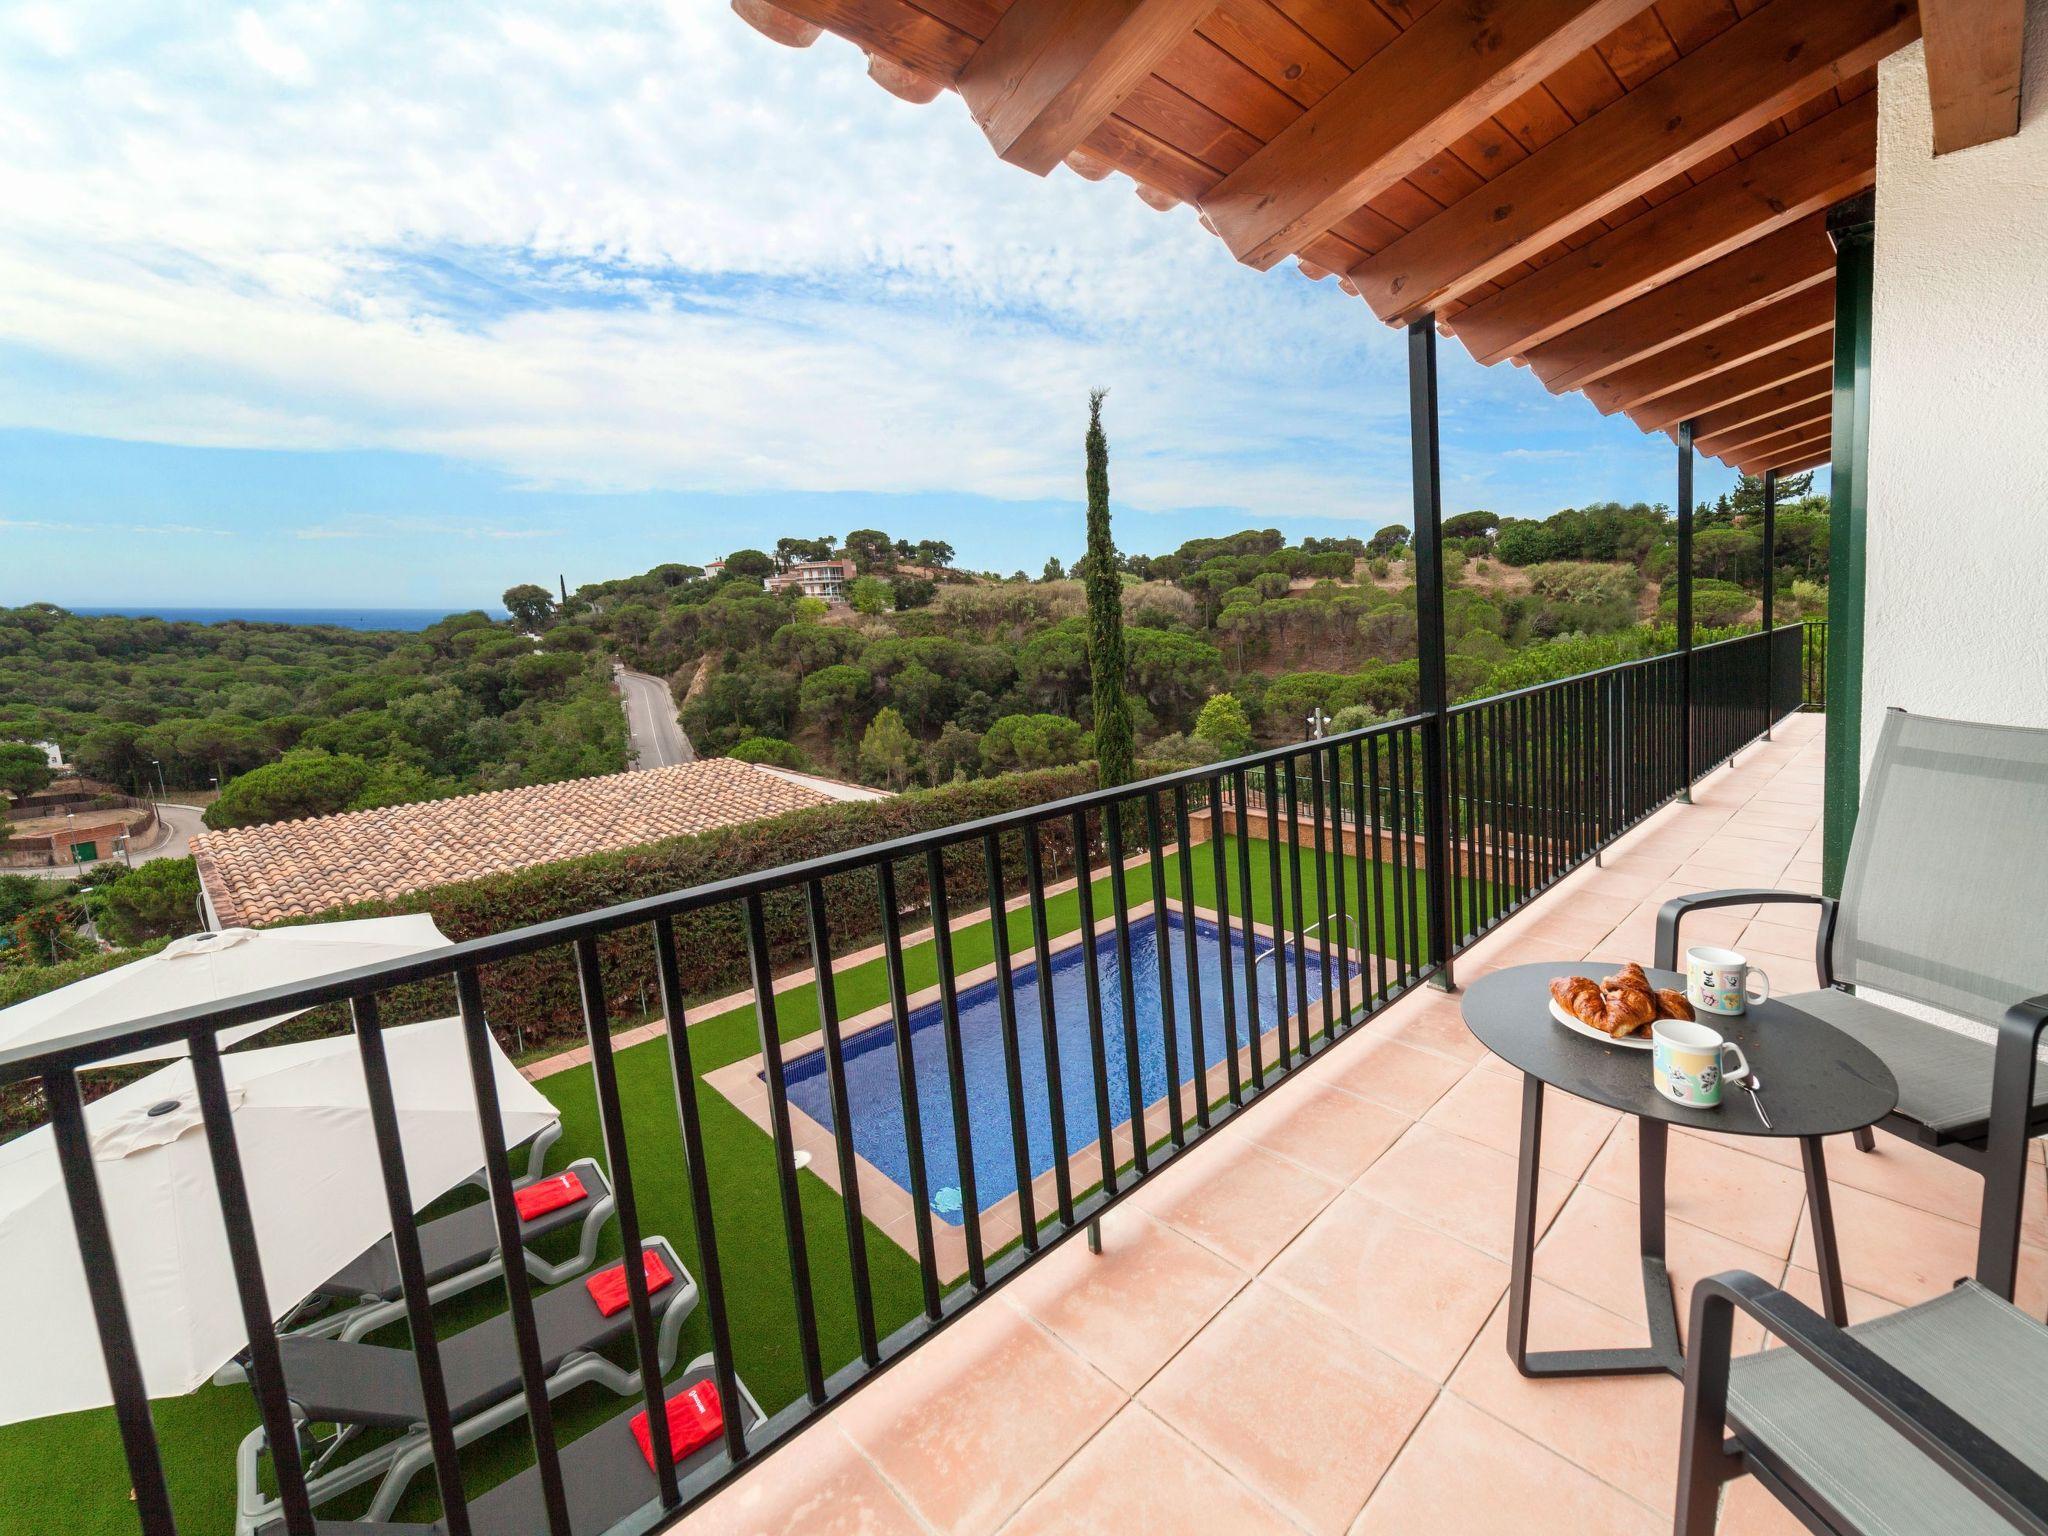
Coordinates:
296 868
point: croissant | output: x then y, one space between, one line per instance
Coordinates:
1621 1005
1672 1005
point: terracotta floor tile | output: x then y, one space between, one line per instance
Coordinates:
1399 1076
1139 1478
1805 1284
1708 1184
1406 1288
1592 1250
1621 1428
1911 1175
821 1486
1432 1025
1486 1107
1238 1200
1301 1409
945 1428
1127 1309
1458 1187
1748 1508
1895 1251
1466 1472
1337 1135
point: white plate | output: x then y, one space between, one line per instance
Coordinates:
1627 1042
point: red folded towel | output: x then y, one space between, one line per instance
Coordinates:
549 1194
694 1421
608 1287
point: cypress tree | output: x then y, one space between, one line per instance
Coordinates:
1113 732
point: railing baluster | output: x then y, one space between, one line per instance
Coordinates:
826 988
1098 1049
1332 764
1219 875
1048 1025
689 1121
1191 950
1404 853
109 1307
618 1158
1013 1061
1120 906
1316 809
1370 753
1169 1020
795 1241
266 1368
956 1061
412 1269
1303 1019
1282 1014
1238 791
1364 868
906 1087
540 1416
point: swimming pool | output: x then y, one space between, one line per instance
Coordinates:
874 1097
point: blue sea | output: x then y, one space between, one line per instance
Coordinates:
341 618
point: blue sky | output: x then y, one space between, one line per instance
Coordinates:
400 304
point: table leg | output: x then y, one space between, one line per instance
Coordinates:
1662 1354
1826 1257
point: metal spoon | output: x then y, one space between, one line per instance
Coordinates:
1754 1086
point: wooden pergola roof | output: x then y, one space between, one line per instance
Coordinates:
1626 198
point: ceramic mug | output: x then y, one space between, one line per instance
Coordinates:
1689 1060
1717 981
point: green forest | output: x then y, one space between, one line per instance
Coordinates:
929 674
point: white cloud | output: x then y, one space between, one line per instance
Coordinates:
626 246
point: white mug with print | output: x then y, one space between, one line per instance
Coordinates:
1718 981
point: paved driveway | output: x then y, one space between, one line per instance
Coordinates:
658 740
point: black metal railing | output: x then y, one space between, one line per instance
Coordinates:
1813 663
1281 900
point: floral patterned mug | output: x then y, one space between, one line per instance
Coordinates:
1688 1062
1718 981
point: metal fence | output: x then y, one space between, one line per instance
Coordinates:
1262 947
1813 661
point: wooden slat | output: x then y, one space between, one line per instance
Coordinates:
1810 312
1763 66
1053 70
1973 69
1815 425
1800 174
1735 285
1751 378
1820 460
1789 396
1732 439
895 29
1786 457
1426 88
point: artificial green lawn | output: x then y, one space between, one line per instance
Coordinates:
73 1464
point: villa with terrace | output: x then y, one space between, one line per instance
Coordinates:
1288 1144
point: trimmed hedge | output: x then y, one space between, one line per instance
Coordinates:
533 1001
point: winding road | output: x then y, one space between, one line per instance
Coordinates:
658 740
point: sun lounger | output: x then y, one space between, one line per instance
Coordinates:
605 1479
360 1388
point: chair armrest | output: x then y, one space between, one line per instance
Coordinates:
2010 1488
1673 912
2014 1058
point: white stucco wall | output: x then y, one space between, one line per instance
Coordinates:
1957 617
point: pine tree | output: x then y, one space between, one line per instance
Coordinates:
1113 731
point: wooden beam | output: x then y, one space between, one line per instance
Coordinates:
1803 173
1816 385
1426 89
1792 456
1771 61
1737 284
1820 460
1052 70
895 29
1973 69
1808 313
1737 438
1751 378
1776 444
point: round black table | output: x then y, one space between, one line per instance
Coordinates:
1817 1081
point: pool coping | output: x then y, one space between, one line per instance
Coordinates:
888 1205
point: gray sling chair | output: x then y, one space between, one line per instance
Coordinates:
359 1389
605 1480
1945 904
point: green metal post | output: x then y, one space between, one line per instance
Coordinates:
1770 584
1429 644
1853 228
1685 606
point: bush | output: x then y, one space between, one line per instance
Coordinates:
1032 741
1714 603
532 999
157 900
1224 727
770 750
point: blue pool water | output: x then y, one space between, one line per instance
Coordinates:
874 1097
